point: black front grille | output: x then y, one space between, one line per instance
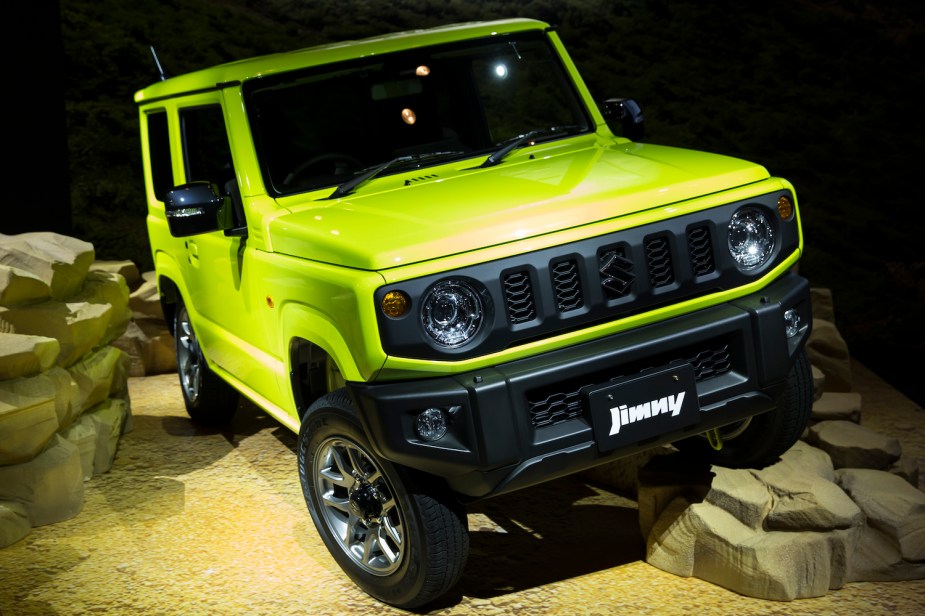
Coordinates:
567 285
555 408
658 258
700 247
518 297
644 271
561 401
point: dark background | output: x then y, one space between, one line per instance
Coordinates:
823 93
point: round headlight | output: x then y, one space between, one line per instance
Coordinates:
452 313
751 238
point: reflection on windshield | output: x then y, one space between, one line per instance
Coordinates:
320 127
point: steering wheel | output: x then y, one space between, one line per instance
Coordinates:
340 162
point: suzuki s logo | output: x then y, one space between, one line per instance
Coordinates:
616 274
624 415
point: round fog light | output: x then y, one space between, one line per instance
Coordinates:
791 323
431 425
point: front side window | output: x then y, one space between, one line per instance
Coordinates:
207 154
318 127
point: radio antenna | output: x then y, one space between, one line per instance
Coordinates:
160 69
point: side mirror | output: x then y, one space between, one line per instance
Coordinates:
629 114
197 207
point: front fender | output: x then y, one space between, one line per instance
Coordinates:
299 320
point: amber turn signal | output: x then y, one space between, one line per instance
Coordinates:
395 304
784 208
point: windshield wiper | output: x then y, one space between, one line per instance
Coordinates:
364 176
497 156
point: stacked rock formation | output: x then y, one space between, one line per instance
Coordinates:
64 399
841 506
147 340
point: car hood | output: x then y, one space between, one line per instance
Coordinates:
450 209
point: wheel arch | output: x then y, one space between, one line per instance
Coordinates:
170 286
313 340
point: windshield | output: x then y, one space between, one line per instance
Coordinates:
319 127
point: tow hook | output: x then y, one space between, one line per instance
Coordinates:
714 438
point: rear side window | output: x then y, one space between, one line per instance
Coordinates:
159 153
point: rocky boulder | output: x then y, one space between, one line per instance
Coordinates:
793 530
63 387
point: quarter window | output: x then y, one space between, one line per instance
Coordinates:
159 153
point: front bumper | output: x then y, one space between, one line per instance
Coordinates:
524 422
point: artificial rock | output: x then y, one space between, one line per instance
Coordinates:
108 289
853 446
125 268
21 287
62 262
78 326
838 405
891 506
64 399
24 355
49 487
14 523
28 421
818 382
784 532
828 351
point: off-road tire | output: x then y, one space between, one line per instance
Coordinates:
400 535
209 400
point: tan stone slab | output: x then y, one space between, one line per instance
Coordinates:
838 405
83 433
146 302
818 383
27 422
877 559
828 351
150 346
740 493
49 487
94 375
14 523
18 286
67 395
853 446
62 262
25 355
132 342
78 326
804 501
891 506
108 288
109 417
127 269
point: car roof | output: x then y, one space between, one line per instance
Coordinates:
260 66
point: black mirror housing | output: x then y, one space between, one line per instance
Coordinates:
624 117
197 207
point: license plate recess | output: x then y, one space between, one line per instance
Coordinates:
639 407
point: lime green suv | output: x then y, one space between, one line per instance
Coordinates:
450 271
